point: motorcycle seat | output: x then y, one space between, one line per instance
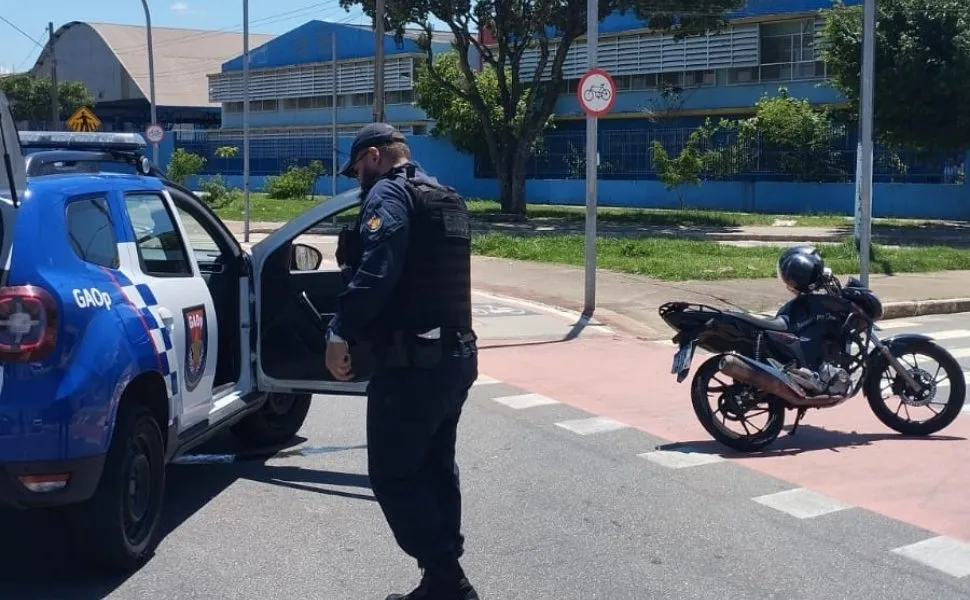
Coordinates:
769 323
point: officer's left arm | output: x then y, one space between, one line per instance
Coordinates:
384 240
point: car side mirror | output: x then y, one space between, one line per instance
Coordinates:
305 258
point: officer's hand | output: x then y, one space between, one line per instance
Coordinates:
338 360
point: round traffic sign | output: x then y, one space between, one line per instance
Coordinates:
596 92
154 133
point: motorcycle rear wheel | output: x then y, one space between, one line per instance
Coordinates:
699 391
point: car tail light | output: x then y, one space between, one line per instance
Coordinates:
28 323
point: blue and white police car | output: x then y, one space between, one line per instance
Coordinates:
134 327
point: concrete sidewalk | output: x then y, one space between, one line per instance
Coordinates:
629 302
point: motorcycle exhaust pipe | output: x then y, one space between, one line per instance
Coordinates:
751 373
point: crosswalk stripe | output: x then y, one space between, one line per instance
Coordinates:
960 352
950 334
896 324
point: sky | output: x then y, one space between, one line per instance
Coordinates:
23 24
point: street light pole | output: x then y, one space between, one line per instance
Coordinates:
379 61
246 121
151 74
592 163
865 144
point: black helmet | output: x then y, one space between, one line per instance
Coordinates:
800 268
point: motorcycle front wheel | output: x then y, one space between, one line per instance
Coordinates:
932 366
737 403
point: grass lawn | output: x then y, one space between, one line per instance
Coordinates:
266 209
680 260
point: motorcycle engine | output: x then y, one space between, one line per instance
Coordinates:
829 379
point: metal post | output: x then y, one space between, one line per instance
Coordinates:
55 106
246 121
379 61
333 116
592 163
865 143
151 74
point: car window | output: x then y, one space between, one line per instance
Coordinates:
161 250
91 231
199 238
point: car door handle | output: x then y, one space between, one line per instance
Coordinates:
166 315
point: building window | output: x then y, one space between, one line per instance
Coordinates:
787 54
399 97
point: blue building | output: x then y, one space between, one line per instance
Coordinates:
292 83
666 87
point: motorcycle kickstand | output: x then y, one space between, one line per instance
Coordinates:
798 419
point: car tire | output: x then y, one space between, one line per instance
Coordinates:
276 422
116 529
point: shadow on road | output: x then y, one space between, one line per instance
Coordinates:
36 560
808 438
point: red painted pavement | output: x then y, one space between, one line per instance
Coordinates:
843 452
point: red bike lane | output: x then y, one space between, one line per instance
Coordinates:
843 452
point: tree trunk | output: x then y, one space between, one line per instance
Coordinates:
511 177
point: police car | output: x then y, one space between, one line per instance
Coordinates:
133 327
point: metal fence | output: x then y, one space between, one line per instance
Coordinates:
268 154
624 155
628 155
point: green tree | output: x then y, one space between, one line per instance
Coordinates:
455 117
30 97
922 69
798 135
549 26
183 165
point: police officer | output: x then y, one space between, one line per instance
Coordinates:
409 299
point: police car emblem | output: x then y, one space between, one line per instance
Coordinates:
196 342
373 223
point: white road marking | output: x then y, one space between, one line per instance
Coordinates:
942 553
950 334
592 425
681 459
801 503
485 380
525 401
896 324
960 352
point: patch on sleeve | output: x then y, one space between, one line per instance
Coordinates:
374 223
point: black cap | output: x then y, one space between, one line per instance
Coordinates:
372 134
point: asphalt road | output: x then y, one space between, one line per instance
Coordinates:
550 514
559 505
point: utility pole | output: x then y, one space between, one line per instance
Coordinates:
246 121
379 61
55 106
333 116
865 132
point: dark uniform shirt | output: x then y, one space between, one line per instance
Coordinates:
384 232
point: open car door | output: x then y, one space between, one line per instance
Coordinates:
13 175
296 297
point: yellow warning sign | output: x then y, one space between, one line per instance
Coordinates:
84 120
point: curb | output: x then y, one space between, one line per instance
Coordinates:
919 308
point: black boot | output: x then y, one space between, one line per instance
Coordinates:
447 584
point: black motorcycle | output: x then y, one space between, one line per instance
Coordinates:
817 352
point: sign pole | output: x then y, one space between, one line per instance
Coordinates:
246 120
592 162
151 74
865 144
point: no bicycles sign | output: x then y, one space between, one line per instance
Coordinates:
596 92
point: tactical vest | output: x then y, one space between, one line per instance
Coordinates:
434 289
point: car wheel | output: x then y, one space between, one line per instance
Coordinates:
276 422
115 530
